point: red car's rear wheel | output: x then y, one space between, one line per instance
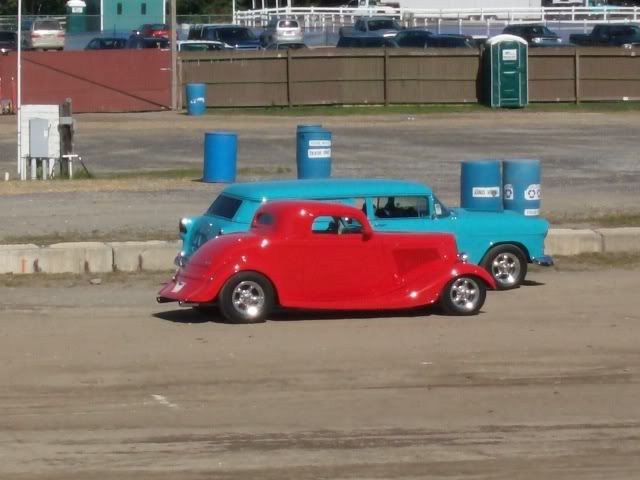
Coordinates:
247 297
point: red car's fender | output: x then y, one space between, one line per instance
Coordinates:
473 270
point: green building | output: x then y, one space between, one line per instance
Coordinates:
127 15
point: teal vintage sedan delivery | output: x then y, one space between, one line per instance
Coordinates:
501 242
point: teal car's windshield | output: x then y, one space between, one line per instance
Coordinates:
439 208
224 206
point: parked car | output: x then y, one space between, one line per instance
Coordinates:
412 37
501 242
154 30
535 35
365 41
423 38
286 46
200 46
316 255
608 34
281 30
450 41
138 42
234 36
42 34
8 42
383 26
106 43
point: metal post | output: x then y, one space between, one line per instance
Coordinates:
22 169
174 56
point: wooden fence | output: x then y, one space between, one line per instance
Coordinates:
402 76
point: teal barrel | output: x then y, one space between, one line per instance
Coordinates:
196 98
521 186
480 185
220 157
313 151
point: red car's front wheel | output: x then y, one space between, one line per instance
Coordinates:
463 295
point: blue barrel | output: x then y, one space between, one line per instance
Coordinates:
220 155
521 186
480 185
313 151
196 98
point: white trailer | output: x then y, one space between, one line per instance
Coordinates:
469 9
465 4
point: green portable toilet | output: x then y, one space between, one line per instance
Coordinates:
76 16
505 76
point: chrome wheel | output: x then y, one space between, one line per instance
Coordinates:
464 294
248 298
505 269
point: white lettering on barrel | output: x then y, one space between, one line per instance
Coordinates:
319 143
319 153
485 192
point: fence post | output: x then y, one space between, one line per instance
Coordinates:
289 77
576 67
180 85
386 77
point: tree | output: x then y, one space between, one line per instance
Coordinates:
34 7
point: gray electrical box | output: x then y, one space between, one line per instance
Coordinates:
39 138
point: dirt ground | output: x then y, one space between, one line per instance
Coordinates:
101 382
590 163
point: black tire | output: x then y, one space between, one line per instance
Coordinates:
464 295
507 264
247 297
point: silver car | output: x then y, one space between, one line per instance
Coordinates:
45 34
281 30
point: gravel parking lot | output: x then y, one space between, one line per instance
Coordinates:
101 382
590 163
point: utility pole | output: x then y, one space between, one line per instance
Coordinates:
174 57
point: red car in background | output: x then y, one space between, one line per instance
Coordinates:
154 30
314 255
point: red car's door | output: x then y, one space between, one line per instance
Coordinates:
342 269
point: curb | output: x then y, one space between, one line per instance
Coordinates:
156 255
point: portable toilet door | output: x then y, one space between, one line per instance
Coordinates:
505 71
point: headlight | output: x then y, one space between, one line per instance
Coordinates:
536 40
182 225
463 257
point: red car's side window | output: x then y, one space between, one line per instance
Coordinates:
335 225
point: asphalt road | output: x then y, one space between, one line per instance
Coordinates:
590 163
101 382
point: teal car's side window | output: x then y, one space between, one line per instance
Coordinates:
401 207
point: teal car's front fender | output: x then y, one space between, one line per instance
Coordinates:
198 230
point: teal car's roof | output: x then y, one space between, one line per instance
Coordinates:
325 188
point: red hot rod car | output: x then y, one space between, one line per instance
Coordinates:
313 255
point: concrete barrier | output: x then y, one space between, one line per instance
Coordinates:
620 240
18 258
157 255
76 257
140 256
566 241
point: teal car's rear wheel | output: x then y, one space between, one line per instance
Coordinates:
507 264
247 297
